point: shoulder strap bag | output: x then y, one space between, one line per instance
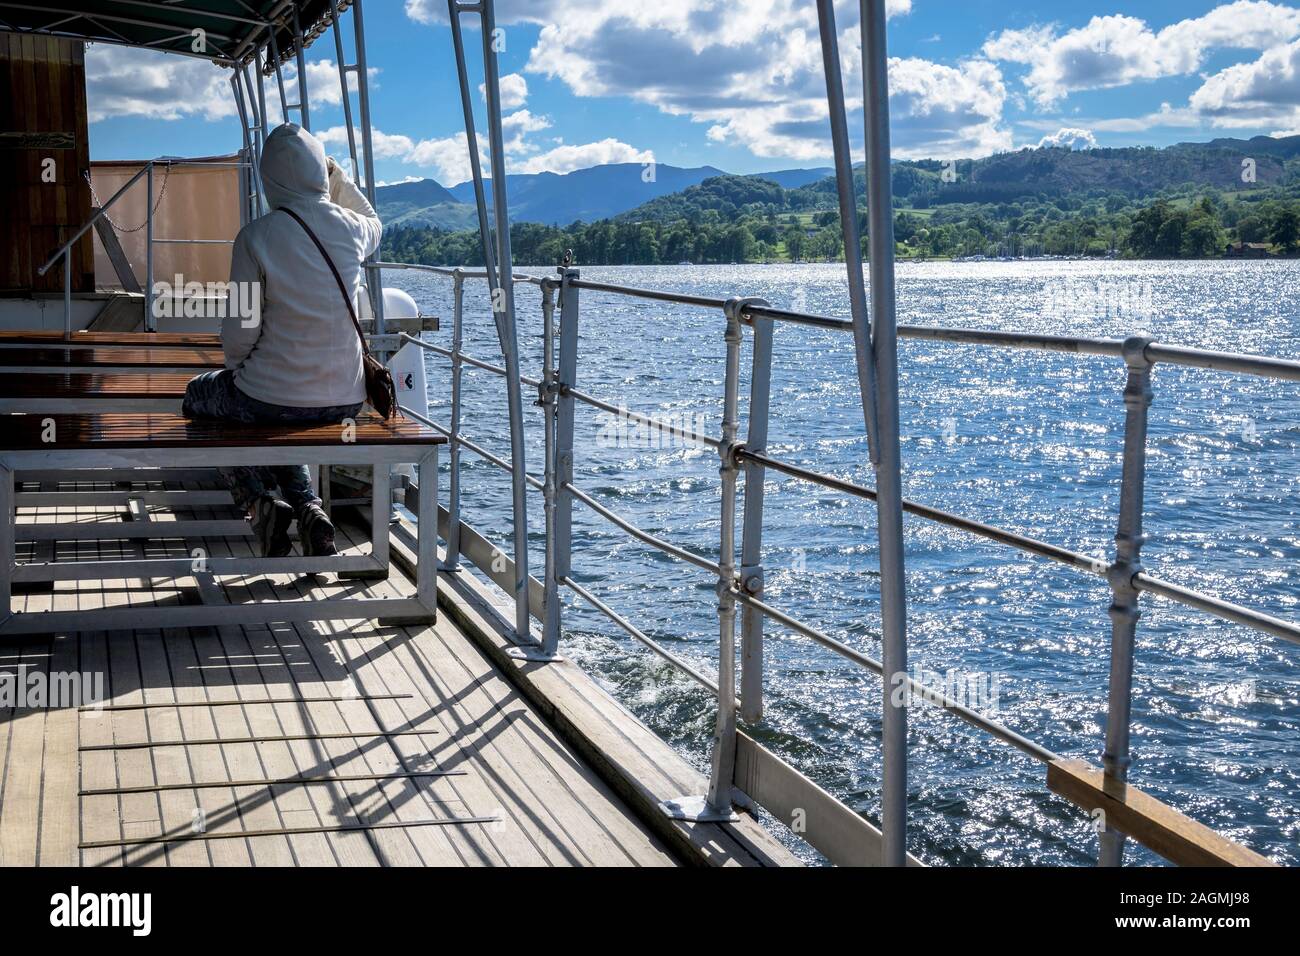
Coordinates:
380 391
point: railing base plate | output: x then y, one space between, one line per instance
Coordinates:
525 652
697 810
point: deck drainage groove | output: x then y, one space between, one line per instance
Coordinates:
272 782
91 708
146 744
289 831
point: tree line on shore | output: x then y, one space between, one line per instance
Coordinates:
733 219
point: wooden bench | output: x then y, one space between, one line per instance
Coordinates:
55 392
90 442
49 359
44 337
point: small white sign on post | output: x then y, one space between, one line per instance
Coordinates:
407 367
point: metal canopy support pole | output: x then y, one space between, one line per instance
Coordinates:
471 138
261 94
849 220
7 542
149 324
751 542
451 560
374 278
304 111
67 294
500 274
889 489
566 379
274 53
341 64
1124 609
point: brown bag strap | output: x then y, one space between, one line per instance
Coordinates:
347 299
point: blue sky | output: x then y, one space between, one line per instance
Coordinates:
737 84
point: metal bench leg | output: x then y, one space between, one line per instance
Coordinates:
426 571
381 512
7 543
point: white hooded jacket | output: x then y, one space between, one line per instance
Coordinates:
304 352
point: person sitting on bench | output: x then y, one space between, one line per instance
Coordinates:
299 360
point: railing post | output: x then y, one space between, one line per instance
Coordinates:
547 399
451 560
751 542
716 804
566 378
148 253
724 739
1124 608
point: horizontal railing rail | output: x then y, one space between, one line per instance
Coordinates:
558 385
146 172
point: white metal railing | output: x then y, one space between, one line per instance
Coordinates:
558 392
146 172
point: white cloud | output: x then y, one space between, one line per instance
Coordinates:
122 81
1265 92
126 81
516 127
750 70
514 91
1118 50
565 159
1069 138
447 158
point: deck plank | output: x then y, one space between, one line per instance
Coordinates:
554 808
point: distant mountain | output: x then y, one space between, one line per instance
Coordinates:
422 203
794 178
1284 147
727 196
629 190
588 194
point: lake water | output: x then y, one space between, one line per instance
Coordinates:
1026 440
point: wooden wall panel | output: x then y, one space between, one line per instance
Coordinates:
43 91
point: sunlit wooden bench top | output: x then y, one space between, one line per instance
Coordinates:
148 430
51 358
93 385
204 340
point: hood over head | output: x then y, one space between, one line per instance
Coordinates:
293 167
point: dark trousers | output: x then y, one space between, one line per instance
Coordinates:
215 395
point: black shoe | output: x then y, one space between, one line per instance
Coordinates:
316 533
271 519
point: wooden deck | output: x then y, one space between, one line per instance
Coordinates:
413 727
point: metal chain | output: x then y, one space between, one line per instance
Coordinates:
153 212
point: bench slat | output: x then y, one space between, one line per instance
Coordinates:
52 358
204 340
92 385
139 429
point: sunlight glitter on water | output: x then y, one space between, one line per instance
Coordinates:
1025 440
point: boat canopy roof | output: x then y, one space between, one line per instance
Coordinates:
233 29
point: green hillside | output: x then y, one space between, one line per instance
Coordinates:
1189 200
